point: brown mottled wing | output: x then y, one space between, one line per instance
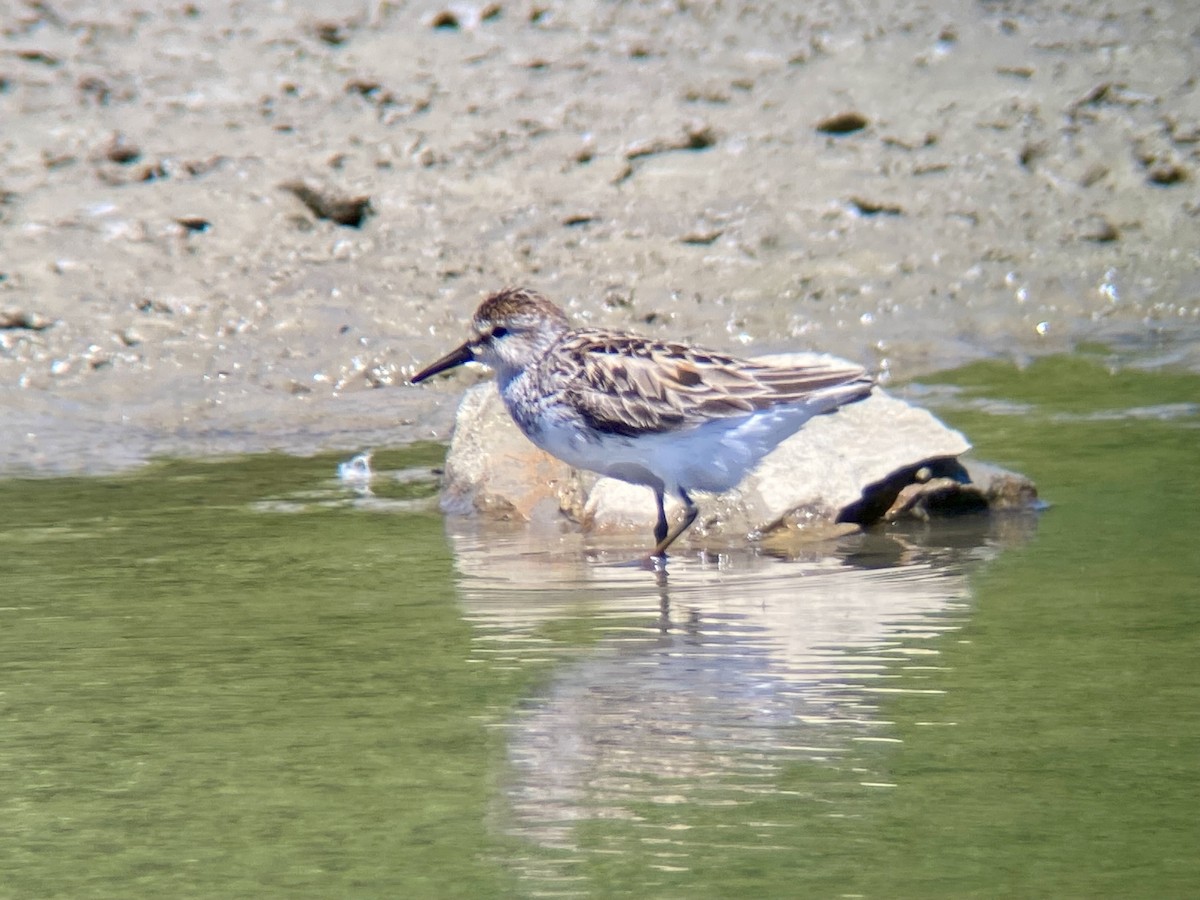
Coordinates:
630 386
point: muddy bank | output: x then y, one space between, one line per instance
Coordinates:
228 228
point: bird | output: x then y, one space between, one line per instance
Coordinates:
669 415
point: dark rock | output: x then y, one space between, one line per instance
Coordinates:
843 123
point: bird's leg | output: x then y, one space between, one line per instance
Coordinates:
660 527
665 539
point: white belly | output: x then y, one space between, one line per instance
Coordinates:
713 457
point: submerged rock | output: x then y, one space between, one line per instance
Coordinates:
880 459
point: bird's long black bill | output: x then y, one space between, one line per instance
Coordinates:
454 358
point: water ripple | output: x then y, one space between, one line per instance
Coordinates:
696 690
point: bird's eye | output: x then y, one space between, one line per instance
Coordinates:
499 331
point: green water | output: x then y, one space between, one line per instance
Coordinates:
231 679
202 699
1076 680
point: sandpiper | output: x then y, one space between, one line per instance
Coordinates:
671 416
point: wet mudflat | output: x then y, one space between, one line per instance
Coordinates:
224 227
225 678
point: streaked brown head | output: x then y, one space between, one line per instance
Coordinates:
512 328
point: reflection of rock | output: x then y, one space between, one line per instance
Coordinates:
877 459
704 688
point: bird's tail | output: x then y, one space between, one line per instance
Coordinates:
829 398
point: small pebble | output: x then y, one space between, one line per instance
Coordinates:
349 211
843 123
1099 230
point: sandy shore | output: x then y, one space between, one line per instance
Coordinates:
911 185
